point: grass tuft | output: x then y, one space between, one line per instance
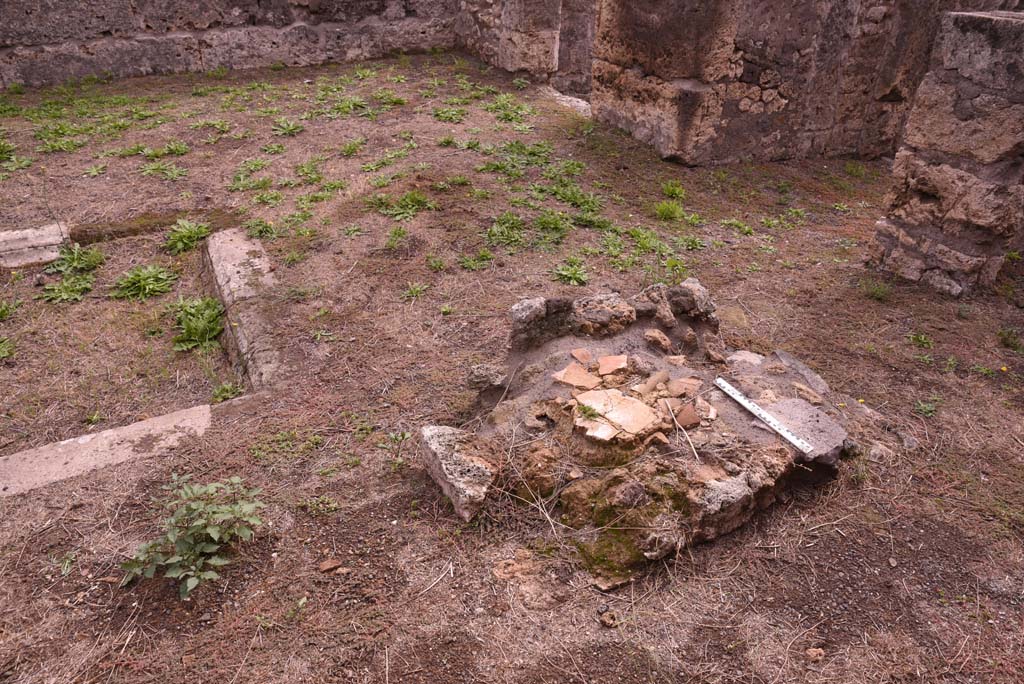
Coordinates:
185 236
143 282
200 321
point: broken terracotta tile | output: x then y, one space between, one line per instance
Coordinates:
706 410
627 414
582 355
684 387
576 375
600 430
657 437
607 365
687 417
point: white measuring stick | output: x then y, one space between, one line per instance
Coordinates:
762 415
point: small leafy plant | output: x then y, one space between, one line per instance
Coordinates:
451 114
352 147
508 230
164 169
669 210
6 348
71 288
185 236
673 189
76 259
478 261
927 409
396 238
205 520
261 229
286 127
415 291
143 282
226 391
200 321
572 272
920 340
1008 337
8 308
876 289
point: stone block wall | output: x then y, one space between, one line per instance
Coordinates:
755 79
50 41
958 204
550 39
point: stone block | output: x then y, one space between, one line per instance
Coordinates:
32 246
38 66
53 22
255 46
239 271
957 206
27 470
461 466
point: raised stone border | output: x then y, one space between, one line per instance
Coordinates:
238 269
43 465
31 246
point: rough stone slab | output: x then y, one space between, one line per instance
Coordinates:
239 265
20 248
27 470
457 463
239 270
813 426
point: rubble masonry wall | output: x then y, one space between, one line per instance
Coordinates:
957 207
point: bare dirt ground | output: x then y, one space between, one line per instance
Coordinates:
80 367
907 567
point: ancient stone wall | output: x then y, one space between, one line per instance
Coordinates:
546 38
958 204
51 41
751 79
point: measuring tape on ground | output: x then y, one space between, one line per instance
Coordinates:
762 415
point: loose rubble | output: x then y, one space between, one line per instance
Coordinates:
642 453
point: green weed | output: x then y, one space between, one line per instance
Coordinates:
206 519
143 282
352 147
185 236
508 230
200 321
396 238
261 229
71 288
414 291
920 340
478 261
164 169
571 272
673 189
876 289
669 210
226 391
286 127
74 259
8 308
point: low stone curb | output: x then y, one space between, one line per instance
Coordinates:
32 246
34 468
239 271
